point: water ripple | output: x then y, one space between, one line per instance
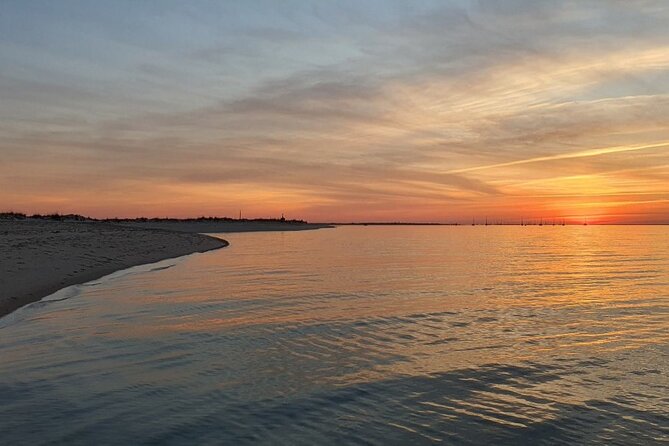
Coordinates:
360 336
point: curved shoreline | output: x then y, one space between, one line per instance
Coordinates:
74 290
39 258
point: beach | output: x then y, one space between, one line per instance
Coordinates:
39 257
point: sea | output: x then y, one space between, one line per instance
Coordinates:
371 335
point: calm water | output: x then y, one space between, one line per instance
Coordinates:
368 335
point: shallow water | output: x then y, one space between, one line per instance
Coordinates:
368 335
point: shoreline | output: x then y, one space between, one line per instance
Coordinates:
7 319
41 257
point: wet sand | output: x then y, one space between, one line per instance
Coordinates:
40 257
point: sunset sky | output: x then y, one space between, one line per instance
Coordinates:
337 111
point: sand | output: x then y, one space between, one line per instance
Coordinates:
39 257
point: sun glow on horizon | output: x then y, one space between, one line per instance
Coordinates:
339 112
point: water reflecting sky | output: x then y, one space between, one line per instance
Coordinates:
383 335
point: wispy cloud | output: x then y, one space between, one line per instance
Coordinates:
562 156
437 112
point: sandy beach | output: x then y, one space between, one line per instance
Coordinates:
39 257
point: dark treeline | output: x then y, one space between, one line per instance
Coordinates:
205 219
57 217
77 217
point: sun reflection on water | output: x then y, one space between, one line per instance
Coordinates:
517 333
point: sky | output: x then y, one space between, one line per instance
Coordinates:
337 111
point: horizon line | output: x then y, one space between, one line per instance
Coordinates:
522 221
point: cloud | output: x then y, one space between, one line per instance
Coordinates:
581 154
471 105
